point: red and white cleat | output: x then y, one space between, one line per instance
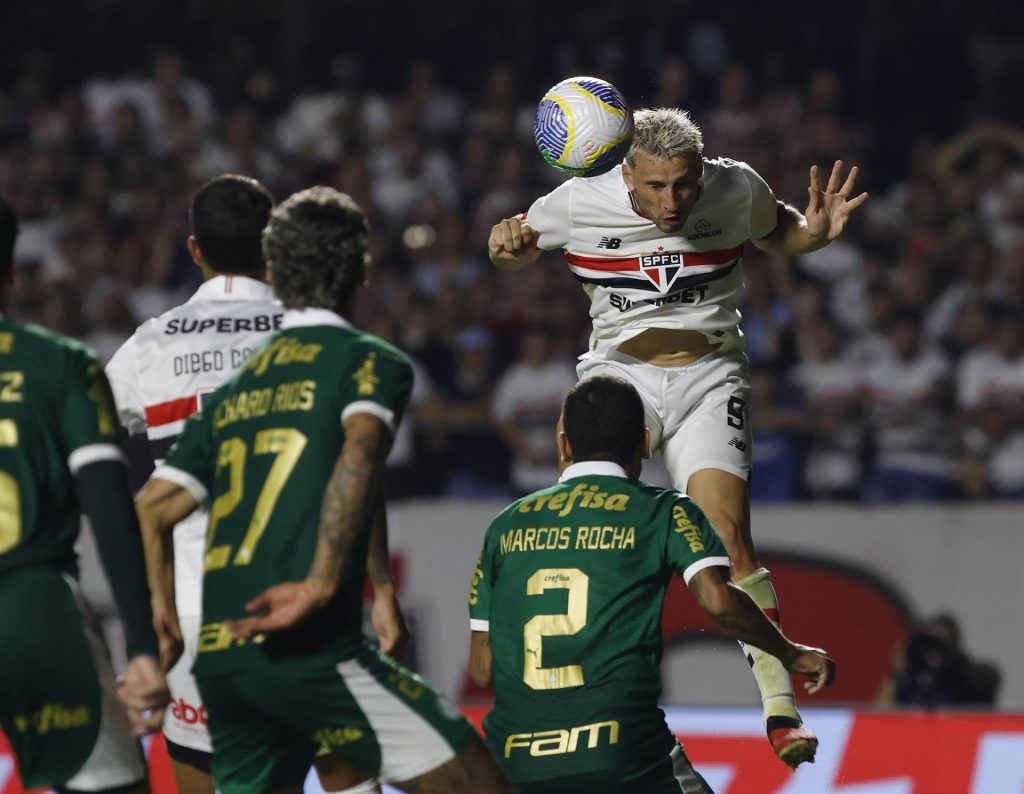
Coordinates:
792 742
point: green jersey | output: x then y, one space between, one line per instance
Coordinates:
262 451
570 587
56 415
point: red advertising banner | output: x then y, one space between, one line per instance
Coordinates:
860 753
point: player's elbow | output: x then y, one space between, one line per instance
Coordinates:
718 601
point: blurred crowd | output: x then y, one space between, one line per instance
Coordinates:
886 367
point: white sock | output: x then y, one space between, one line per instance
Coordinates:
772 677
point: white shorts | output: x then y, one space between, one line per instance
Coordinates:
185 719
116 759
698 415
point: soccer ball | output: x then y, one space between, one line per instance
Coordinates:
583 126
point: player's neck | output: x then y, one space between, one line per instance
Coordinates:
209 274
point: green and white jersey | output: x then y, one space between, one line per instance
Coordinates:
570 587
56 415
261 453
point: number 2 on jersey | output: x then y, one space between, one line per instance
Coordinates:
538 627
287 444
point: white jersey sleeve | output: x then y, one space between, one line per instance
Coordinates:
124 382
763 204
550 216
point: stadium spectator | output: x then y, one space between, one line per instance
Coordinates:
990 395
830 382
906 393
527 401
100 148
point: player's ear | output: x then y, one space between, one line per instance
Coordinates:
647 442
194 251
564 449
627 175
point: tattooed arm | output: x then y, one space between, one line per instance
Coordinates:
346 506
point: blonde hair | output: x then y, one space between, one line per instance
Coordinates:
664 133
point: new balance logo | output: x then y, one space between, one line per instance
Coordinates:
610 243
740 445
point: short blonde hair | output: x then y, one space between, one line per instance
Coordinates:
664 133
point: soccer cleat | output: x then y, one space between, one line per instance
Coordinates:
792 742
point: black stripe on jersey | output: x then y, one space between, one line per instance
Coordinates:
642 283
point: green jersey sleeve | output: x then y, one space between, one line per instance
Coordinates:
480 587
692 544
88 419
190 462
380 384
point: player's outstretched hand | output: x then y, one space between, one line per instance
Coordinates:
389 623
815 664
829 209
142 689
281 606
512 242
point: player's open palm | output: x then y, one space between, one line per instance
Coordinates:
816 665
281 606
828 210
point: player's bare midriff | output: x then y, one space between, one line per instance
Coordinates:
668 347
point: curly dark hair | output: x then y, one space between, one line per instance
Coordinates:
316 246
227 215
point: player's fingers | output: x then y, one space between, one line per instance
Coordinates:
260 603
512 235
830 672
250 627
815 179
388 643
528 233
851 180
145 722
833 180
813 201
853 203
240 629
134 699
494 241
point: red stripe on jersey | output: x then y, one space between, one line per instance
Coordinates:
171 411
773 615
697 258
617 264
620 264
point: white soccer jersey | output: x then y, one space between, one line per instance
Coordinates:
161 373
639 277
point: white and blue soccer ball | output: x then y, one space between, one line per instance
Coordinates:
583 126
